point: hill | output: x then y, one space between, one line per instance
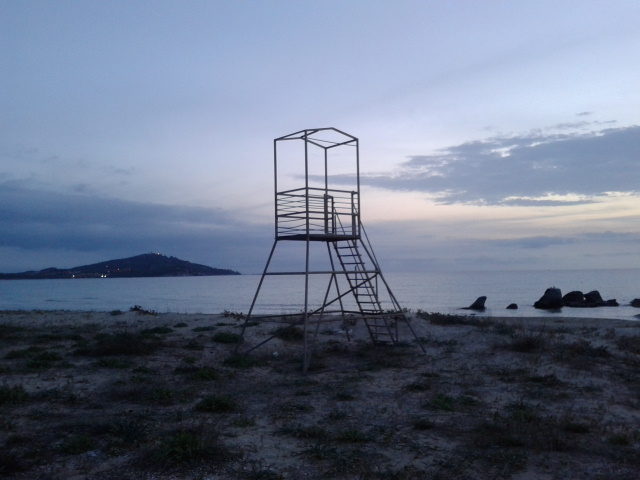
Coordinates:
145 265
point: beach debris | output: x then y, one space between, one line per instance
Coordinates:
478 304
551 300
512 306
142 311
234 315
635 302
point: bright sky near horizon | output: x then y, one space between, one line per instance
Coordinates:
494 134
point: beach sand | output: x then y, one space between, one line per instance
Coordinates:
90 395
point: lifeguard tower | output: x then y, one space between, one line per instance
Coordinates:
316 213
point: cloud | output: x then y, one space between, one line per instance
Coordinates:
534 242
34 221
541 242
534 169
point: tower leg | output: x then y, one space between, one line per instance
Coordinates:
335 278
306 359
255 297
318 322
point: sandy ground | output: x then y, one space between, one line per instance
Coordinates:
88 395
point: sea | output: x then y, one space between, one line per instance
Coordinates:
443 292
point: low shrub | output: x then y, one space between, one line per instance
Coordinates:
421 423
12 394
126 431
43 360
76 444
227 337
441 402
120 343
290 333
241 361
352 435
217 404
189 446
206 328
629 344
526 343
157 331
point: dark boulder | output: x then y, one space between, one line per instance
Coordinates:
551 300
593 299
478 304
635 302
611 303
512 306
573 299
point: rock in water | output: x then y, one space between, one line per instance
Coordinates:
611 303
478 304
635 302
593 299
573 299
512 306
551 300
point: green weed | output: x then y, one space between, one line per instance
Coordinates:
190 446
227 337
203 329
217 404
121 343
156 331
12 394
290 333
76 444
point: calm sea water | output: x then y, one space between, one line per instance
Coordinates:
432 292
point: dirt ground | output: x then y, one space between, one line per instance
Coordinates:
113 395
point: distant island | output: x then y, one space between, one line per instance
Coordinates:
145 265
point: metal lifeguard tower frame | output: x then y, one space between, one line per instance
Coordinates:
333 216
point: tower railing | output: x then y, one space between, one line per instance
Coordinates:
318 213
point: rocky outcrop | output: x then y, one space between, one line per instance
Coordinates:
635 302
593 298
577 299
551 300
512 306
573 299
478 304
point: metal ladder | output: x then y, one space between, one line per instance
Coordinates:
382 326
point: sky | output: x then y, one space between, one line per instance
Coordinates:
493 135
